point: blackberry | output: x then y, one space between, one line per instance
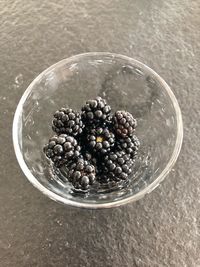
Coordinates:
100 140
89 157
117 166
96 111
124 123
81 174
129 144
67 121
62 148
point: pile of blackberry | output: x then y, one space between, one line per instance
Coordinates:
93 145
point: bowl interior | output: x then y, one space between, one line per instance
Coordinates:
126 84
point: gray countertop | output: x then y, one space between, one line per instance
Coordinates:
162 229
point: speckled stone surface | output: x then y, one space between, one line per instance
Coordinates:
162 229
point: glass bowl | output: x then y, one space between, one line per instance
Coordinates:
127 84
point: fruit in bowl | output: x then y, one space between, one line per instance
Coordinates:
96 131
127 85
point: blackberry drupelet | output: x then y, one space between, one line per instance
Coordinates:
96 111
89 157
117 166
67 121
129 144
100 140
61 149
81 174
124 123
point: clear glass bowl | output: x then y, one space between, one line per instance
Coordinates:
126 84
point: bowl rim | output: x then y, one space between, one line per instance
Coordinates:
92 205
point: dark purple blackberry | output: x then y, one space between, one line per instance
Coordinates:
89 157
124 123
129 144
100 140
67 121
96 111
62 148
81 174
117 166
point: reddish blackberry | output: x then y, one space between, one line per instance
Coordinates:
96 111
67 121
117 166
129 144
100 140
124 123
81 174
62 148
